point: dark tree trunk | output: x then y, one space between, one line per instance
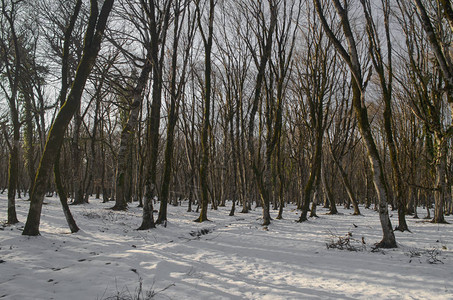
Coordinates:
93 38
63 196
439 198
351 57
328 191
62 193
386 86
29 149
12 178
207 41
347 186
175 95
77 161
13 168
266 51
314 174
154 117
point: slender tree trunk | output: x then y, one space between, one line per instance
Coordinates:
93 38
386 86
62 194
239 149
13 177
207 41
328 191
30 149
314 173
280 166
234 161
13 167
168 158
175 94
440 166
91 165
154 116
351 57
127 137
266 41
77 160
388 240
348 187
315 200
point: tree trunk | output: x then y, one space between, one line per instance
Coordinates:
388 240
266 51
154 115
93 38
207 41
92 162
440 181
62 194
77 160
13 177
347 186
30 149
13 168
328 191
172 116
312 179
351 57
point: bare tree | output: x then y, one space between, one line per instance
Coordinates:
425 85
314 88
12 64
351 57
182 15
261 54
385 73
281 65
158 36
207 38
152 28
65 74
93 37
444 61
342 139
235 69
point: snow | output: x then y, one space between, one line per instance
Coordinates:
226 258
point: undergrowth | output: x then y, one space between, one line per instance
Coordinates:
139 294
346 242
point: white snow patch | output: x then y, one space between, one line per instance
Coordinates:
232 258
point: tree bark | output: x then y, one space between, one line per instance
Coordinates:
127 137
175 95
93 38
62 193
440 190
77 161
388 240
266 41
386 86
154 117
63 196
13 165
328 191
207 41
347 186
351 57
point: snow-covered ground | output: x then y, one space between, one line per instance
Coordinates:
227 258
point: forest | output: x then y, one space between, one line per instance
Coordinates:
253 103
220 149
